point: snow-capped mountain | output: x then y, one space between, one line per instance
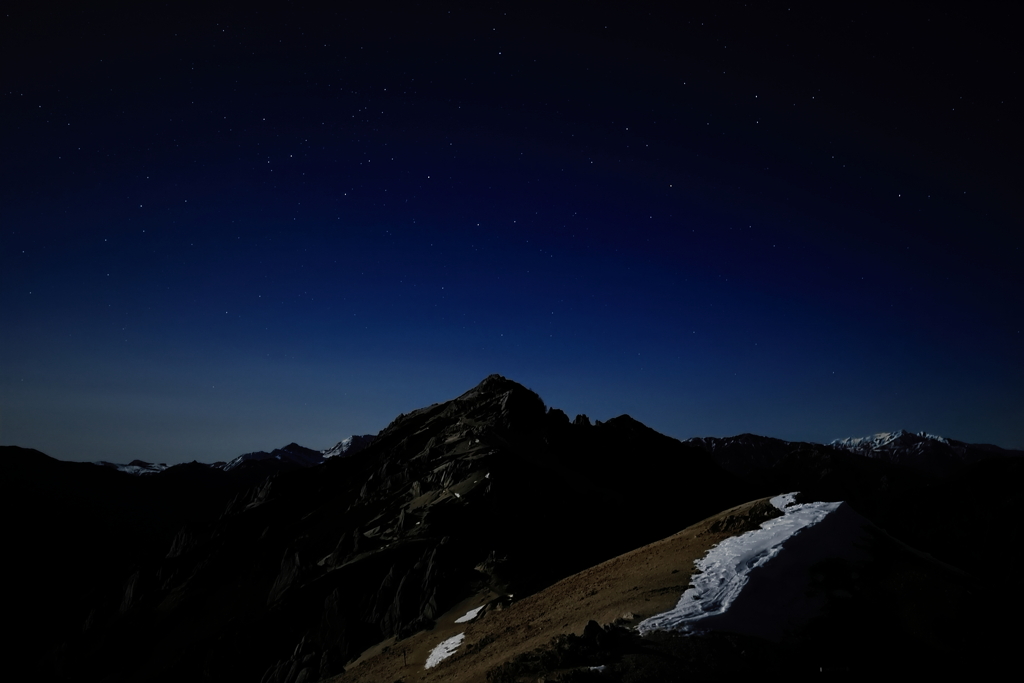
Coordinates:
934 454
747 454
884 440
348 446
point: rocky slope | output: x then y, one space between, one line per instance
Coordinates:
841 597
305 569
274 573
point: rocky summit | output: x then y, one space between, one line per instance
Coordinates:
483 510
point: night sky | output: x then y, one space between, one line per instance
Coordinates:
226 229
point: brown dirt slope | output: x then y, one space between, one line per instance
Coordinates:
625 589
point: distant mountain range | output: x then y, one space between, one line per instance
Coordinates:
291 455
924 453
490 537
740 454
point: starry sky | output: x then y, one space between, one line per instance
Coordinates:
223 229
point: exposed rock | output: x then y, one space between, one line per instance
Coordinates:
288 574
131 592
183 542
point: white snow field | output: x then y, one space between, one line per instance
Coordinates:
469 616
784 501
446 649
756 583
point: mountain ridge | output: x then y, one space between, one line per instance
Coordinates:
921 450
267 573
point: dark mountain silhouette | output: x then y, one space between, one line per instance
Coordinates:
274 570
292 456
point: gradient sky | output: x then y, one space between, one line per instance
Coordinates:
224 229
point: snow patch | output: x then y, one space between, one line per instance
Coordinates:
339 448
443 651
725 570
469 616
784 501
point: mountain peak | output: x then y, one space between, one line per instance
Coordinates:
494 384
935 454
350 445
883 439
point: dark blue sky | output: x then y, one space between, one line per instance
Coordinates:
226 229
